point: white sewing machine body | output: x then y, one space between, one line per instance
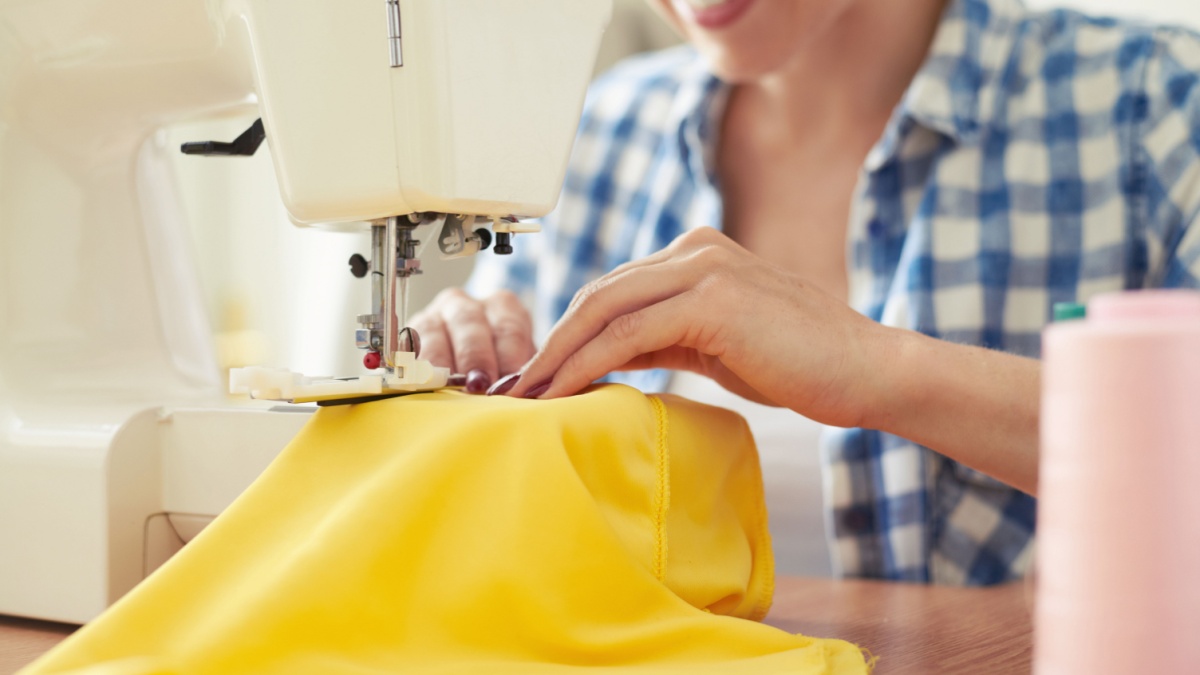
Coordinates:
112 412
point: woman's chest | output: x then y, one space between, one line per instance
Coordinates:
795 219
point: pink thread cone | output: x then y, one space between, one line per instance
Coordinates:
1119 489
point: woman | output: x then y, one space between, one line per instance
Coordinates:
978 162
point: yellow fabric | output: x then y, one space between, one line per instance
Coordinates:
443 533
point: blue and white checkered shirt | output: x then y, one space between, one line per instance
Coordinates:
1036 158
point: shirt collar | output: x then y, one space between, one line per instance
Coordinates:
952 91
698 110
949 95
696 114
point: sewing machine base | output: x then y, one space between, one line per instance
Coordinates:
87 512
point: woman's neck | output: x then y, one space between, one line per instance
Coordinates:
848 82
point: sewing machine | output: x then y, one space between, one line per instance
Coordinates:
426 121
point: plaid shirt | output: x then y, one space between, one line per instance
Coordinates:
1036 158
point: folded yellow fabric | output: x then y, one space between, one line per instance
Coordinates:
444 533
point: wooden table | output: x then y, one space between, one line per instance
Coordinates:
912 628
915 629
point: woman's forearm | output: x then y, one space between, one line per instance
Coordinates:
973 405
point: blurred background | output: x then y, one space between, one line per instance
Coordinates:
280 295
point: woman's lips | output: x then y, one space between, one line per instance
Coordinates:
710 14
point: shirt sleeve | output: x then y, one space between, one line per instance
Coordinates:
1171 153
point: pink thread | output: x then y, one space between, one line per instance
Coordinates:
1119 489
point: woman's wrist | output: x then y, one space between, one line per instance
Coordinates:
974 405
887 395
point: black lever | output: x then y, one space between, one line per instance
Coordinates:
503 244
244 145
359 266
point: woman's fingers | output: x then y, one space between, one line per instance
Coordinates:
471 340
671 358
483 340
685 247
435 341
625 313
602 302
673 321
512 331
709 306
455 334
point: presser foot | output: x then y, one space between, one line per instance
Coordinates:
455 382
410 376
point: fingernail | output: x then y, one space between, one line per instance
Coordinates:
477 382
539 390
503 384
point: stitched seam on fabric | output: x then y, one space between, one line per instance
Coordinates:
662 493
762 604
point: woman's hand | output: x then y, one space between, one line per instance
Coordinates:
707 305
483 339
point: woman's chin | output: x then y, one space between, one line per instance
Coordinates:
739 68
